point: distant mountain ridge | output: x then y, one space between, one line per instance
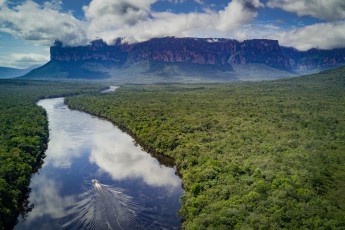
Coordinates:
187 56
7 72
203 51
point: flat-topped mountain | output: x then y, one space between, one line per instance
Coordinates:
214 59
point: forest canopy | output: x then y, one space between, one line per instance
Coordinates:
24 137
252 155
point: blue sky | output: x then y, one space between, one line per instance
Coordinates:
28 27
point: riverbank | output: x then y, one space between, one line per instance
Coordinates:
84 148
160 156
24 138
251 155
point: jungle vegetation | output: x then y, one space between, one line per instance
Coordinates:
24 137
251 155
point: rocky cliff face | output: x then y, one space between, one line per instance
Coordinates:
201 51
314 58
96 51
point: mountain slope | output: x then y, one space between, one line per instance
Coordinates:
65 70
155 72
6 72
173 59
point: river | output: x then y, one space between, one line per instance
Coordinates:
95 177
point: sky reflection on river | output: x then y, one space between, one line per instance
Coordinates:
111 150
83 148
130 161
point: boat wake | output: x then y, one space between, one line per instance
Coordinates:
104 207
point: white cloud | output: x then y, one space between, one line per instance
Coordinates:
42 24
328 35
236 14
23 60
109 19
30 58
2 2
321 35
168 24
105 17
323 9
258 30
136 21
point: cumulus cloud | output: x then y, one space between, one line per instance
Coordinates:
321 35
237 12
167 24
108 19
328 35
322 9
23 60
30 58
41 23
136 21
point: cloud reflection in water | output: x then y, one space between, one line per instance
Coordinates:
74 133
116 154
48 196
81 147
69 133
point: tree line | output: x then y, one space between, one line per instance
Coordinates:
24 137
252 155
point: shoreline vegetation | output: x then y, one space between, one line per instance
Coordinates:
251 155
24 137
161 157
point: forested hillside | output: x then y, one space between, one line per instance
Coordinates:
264 155
24 137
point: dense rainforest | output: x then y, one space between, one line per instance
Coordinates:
252 155
23 138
